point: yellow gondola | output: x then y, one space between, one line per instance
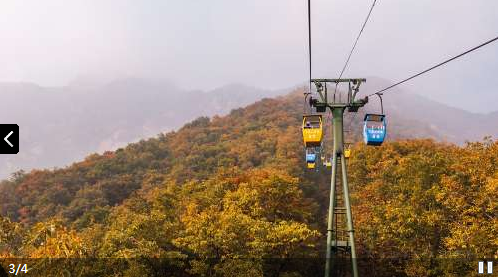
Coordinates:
328 163
347 153
312 130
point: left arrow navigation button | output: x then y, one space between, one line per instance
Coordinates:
10 142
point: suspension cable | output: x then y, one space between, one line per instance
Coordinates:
351 53
309 41
436 66
357 38
354 45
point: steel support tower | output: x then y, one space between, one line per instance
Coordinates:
339 241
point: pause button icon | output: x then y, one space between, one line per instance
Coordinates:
489 267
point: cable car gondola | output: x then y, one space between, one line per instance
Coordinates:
312 154
347 153
374 129
374 126
347 150
311 160
327 162
312 130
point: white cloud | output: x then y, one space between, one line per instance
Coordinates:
260 42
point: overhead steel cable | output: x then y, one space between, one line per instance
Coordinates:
357 38
308 93
436 66
309 40
351 53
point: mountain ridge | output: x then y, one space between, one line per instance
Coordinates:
204 143
63 124
239 185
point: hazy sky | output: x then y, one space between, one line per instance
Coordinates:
205 44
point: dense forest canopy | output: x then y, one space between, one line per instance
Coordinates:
231 196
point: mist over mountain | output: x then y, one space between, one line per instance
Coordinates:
63 124
451 124
60 125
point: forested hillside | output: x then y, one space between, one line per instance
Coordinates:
60 125
230 196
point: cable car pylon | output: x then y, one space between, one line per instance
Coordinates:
334 243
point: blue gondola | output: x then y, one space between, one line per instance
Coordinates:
374 129
311 160
312 153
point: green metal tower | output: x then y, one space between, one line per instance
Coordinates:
339 241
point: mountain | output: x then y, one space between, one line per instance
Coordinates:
230 196
62 124
246 138
59 125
